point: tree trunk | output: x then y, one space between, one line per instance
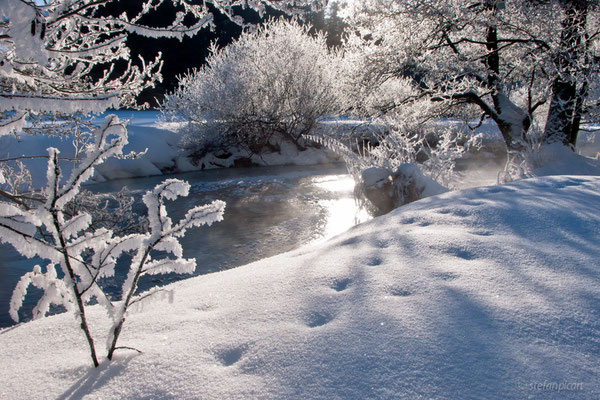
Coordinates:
512 121
131 290
78 295
566 104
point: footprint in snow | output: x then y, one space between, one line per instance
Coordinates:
230 356
341 284
401 291
318 318
461 253
382 244
445 276
375 261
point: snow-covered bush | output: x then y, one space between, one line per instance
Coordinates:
388 189
86 255
275 81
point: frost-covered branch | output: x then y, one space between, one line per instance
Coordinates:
163 238
499 56
58 58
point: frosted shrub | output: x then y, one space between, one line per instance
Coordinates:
535 154
85 255
275 81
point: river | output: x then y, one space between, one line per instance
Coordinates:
269 210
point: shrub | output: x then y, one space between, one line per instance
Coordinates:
275 81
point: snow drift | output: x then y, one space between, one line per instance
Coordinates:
483 293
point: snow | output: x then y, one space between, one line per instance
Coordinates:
146 132
557 159
588 143
377 177
489 292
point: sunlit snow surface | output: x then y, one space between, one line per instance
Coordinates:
485 293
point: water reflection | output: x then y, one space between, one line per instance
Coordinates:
269 211
340 210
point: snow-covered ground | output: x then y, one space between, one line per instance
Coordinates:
485 293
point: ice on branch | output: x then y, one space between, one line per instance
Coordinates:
58 58
161 238
55 292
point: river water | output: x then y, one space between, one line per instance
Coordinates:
269 211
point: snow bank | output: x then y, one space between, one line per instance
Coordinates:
163 155
486 293
143 133
588 143
387 189
556 159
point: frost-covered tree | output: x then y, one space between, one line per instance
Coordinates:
50 55
277 80
500 56
49 49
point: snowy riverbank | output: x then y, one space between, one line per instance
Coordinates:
161 141
488 293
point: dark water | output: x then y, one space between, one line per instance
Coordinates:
269 211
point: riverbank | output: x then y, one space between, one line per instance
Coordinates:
160 143
488 293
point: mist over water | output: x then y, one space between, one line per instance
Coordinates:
479 171
269 211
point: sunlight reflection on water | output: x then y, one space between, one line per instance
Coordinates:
342 213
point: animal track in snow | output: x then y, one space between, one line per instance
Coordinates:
230 356
382 244
375 261
341 284
445 276
318 318
461 253
401 291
